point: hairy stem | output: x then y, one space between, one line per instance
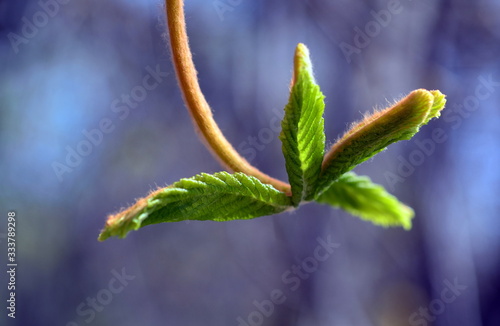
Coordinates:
197 105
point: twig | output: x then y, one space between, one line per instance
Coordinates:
197 105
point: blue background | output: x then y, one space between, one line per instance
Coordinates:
68 72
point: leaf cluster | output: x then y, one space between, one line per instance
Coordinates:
313 174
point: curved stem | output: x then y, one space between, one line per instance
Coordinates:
196 103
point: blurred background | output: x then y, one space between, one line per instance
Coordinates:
91 118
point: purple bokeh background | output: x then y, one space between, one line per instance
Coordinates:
84 66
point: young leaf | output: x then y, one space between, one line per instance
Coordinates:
218 197
379 130
437 105
302 134
359 196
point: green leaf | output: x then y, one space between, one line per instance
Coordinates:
218 197
302 134
437 105
377 131
359 196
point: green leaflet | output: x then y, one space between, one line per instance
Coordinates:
218 197
359 196
302 134
373 134
437 105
